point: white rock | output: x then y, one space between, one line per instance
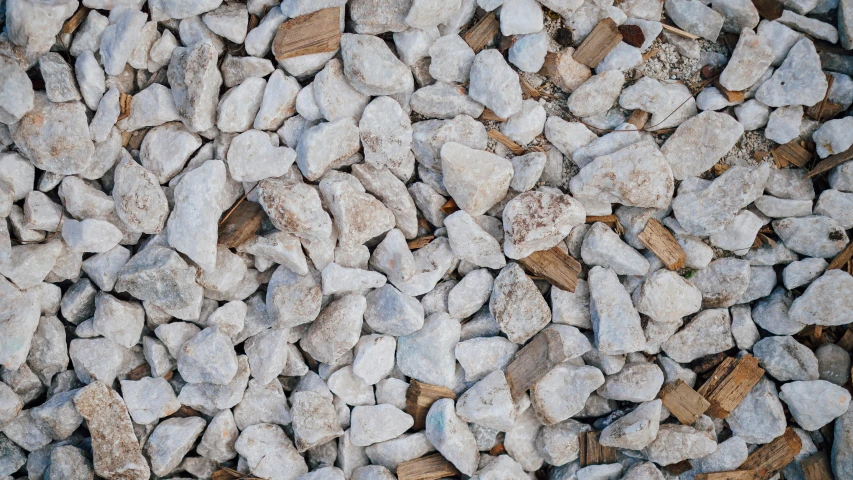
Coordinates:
696 18
494 83
799 81
451 436
815 403
615 321
371 67
700 142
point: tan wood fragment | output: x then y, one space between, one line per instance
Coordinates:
555 266
732 475
515 148
730 383
817 467
639 118
317 32
651 53
769 9
124 101
660 241
680 32
683 402
528 89
846 340
603 38
241 224
594 453
420 396
831 162
133 140
731 96
420 242
822 109
534 360
772 457
679 468
490 116
431 467
72 23
449 207
482 32
792 153
840 260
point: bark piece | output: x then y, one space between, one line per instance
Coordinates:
532 362
240 226
603 38
831 162
124 103
482 32
430 467
792 153
594 453
420 396
730 383
684 402
817 467
772 457
555 266
661 242
769 9
632 35
735 475
731 96
840 260
316 32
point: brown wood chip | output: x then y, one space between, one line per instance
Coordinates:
534 360
515 148
449 207
555 266
678 468
603 38
420 242
490 116
594 453
72 23
792 153
632 35
660 241
420 396
831 162
821 109
730 383
730 95
772 457
316 32
841 260
482 32
241 224
769 9
528 89
817 467
639 118
124 101
684 402
431 467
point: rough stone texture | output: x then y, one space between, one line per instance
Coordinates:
700 142
614 319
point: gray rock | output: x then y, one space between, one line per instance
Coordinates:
270 453
696 18
603 247
372 68
676 443
494 84
323 145
140 202
786 359
217 443
537 221
428 354
815 403
799 81
597 94
636 382
208 357
823 302
336 329
843 434
50 128
314 420
700 142
708 333
195 81
170 441
261 404
379 423
519 316
551 404
814 236
451 436
833 363
615 320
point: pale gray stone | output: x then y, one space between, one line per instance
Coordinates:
696 18
314 420
428 355
494 84
815 403
270 453
451 436
552 404
700 142
615 320
799 81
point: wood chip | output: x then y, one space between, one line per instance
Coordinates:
678 468
846 340
632 35
225 473
639 118
772 457
730 95
651 53
720 168
730 383
841 260
124 103
515 148
490 116
431 467
533 361
831 162
316 32
449 207
594 453
817 467
72 23
679 32
139 372
603 38
734 475
818 110
240 225
420 396
769 9
185 411
555 266
482 32
528 89
792 153
133 140
684 402
660 241
420 242
498 449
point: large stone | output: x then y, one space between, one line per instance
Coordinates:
751 57
428 354
372 68
635 430
614 319
17 97
476 179
815 403
700 142
55 137
553 403
799 81
269 453
336 330
192 226
140 201
517 305
451 436
170 441
696 18
824 301
813 236
597 94
536 221
708 333
195 81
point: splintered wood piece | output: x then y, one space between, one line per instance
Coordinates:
772 457
482 32
420 396
730 95
72 23
679 468
683 402
515 148
732 475
639 118
449 207
846 340
840 260
730 383
793 153
184 412
594 453
555 266
141 371
769 9
818 110
817 467
534 360
603 38
632 35
491 116
660 241
225 473
679 32
431 467
528 89
316 32
420 242
831 162
240 226
124 103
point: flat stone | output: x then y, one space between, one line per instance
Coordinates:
494 84
786 359
636 382
335 97
814 236
190 232
519 316
553 404
700 142
195 81
597 94
815 403
676 443
799 81
535 221
823 302
696 18
52 127
635 430
603 247
669 103
488 403
317 152
336 329
260 404
428 355
475 179
270 453
379 423
708 333
451 436
314 420
614 319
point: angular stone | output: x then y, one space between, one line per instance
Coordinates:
823 302
815 403
669 103
814 236
615 321
603 247
451 436
476 179
428 355
140 201
386 133
442 100
336 329
379 423
799 81
314 420
552 403
536 221
517 305
195 81
700 142
208 357
708 333
696 18
494 84
786 359
323 145
372 68
636 382
270 453
53 136
597 94
676 443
